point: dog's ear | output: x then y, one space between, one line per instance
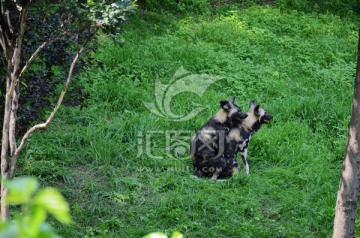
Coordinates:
256 110
232 100
251 104
225 105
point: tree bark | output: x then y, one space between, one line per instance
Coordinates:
347 197
4 156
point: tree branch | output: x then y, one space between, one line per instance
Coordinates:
12 122
4 31
3 22
56 108
8 19
3 43
15 60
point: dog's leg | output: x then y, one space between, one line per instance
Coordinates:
216 174
244 159
218 170
234 170
197 172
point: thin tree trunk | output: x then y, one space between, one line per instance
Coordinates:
8 142
4 154
4 206
347 197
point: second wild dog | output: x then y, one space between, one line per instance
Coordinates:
242 133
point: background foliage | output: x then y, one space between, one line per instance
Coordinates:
66 25
298 65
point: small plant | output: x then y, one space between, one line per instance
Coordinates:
35 206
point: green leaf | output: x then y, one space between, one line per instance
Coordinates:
52 200
46 232
9 230
177 235
30 224
20 190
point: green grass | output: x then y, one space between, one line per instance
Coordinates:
300 67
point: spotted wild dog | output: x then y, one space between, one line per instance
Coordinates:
241 134
208 145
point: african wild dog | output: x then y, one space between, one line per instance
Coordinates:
242 133
209 144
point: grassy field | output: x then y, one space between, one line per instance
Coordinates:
299 67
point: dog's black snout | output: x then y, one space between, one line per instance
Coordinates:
268 116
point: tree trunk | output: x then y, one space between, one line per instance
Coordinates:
347 197
4 206
12 48
4 157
